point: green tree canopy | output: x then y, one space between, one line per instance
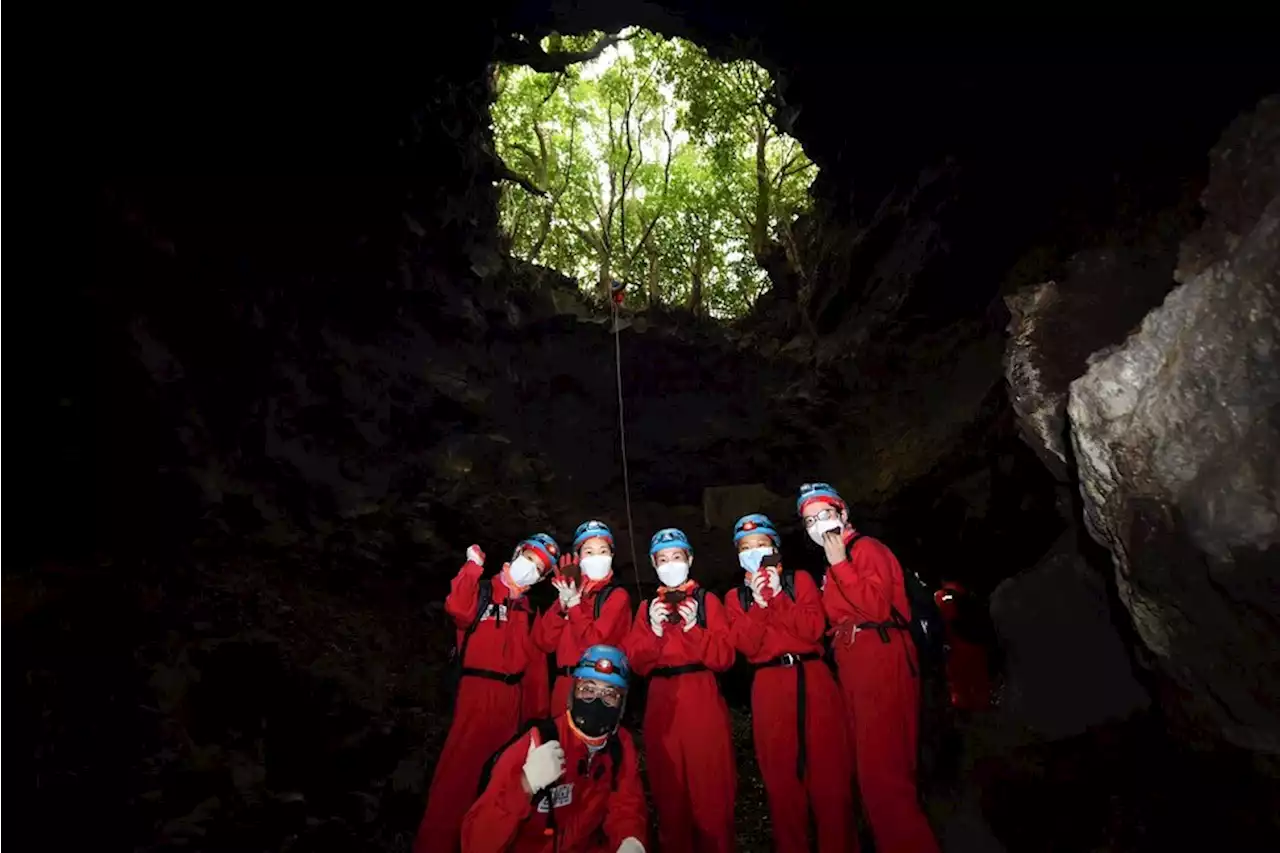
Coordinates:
644 160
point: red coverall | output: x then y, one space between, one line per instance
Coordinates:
687 747
488 712
593 816
763 635
968 676
881 693
568 636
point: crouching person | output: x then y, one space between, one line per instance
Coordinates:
570 783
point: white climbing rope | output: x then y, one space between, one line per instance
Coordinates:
622 442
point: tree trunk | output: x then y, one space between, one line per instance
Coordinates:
602 285
544 228
695 292
651 275
760 227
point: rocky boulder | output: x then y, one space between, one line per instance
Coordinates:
1066 665
1176 436
1055 326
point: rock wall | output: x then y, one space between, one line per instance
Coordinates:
1177 437
1173 434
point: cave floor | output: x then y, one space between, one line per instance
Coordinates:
248 709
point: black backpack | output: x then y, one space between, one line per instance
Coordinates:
603 595
546 728
923 622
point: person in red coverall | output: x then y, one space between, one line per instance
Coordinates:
968 672
504 681
866 602
577 792
570 625
680 639
797 713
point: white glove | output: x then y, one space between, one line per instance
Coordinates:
689 610
757 590
543 765
657 616
775 580
475 555
630 845
569 594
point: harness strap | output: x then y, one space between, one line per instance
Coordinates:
504 677
672 671
797 662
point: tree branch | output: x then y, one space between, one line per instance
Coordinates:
516 51
504 173
662 203
555 84
526 151
787 172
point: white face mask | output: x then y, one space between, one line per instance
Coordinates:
523 571
820 529
750 558
673 573
596 566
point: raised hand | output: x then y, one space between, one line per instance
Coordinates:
658 612
570 596
758 585
543 764
688 611
833 547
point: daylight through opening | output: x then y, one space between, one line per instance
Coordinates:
650 164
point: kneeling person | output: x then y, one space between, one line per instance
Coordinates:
571 783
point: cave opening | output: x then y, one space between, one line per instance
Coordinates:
632 158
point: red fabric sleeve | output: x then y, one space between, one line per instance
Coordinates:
802 618
535 692
548 628
746 630
610 628
628 816
712 643
858 588
492 822
464 595
641 644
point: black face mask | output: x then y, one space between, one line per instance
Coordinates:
594 718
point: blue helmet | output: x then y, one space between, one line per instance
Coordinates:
590 530
604 663
818 492
754 523
542 545
669 537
